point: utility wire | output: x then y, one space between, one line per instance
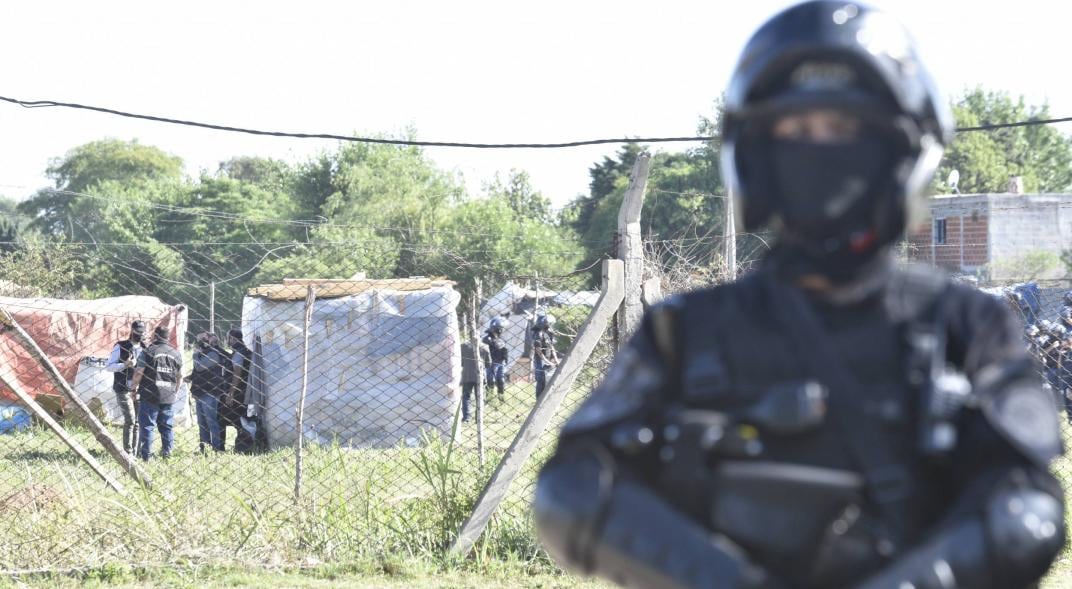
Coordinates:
408 142
416 143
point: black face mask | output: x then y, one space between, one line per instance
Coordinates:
825 192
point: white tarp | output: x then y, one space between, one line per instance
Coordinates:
93 385
384 365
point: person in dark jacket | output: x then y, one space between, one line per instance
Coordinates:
234 407
121 362
834 418
471 376
208 382
158 379
499 353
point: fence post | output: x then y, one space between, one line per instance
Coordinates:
631 248
310 297
80 409
540 417
474 343
212 307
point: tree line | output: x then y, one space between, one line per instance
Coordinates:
388 211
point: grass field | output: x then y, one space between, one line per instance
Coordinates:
229 520
357 505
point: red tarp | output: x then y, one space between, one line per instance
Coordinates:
69 330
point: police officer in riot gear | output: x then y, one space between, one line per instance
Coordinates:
500 355
544 355
832 419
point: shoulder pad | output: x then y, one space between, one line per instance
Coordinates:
632 381
913 289
1025 415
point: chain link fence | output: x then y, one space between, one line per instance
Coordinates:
340 396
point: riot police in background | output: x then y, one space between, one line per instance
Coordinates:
121 362
500 355
832 419
544 355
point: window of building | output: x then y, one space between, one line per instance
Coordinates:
939 232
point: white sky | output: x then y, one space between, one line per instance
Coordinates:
488 71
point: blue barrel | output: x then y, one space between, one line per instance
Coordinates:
13 418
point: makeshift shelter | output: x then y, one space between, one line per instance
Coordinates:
384 360
77 336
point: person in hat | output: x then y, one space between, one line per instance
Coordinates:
121 363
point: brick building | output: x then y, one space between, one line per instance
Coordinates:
997 237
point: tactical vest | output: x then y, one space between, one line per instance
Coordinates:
121 378
733 353
161 374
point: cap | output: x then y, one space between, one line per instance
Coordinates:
161 332
137 327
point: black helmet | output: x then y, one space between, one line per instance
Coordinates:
844 57
545 321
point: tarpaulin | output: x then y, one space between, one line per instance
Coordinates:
69 330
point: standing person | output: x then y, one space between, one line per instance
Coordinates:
471 377
834 418
121 362
235 410
500 355
157 378
543 349
208 382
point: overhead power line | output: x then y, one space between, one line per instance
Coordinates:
409 142
417 143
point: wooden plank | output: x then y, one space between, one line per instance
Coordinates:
81 411
310 298
40 413
631 248
529 435
474 341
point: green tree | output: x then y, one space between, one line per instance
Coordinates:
89 166
522 198
488 238
41 267
10 221
986 160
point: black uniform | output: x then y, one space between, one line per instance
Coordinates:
675 446
832 420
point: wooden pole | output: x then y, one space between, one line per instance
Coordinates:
43 415
212 307
310 298
126 461
631 248
474 341
559 385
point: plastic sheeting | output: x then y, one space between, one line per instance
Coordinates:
93 384
68 330
384 366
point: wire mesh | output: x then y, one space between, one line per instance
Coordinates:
392 456
389 465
